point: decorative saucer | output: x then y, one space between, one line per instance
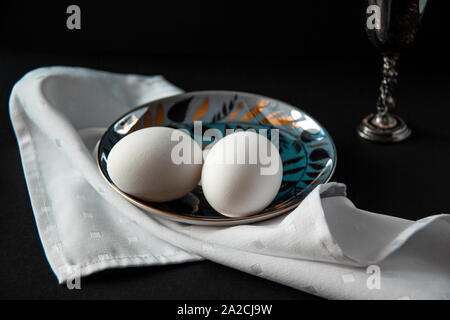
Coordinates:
307 150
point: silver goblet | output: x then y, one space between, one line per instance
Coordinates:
395 27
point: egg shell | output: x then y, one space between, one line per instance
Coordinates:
241 189
141 165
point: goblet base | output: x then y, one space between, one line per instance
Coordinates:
371 129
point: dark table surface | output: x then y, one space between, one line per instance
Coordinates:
407 180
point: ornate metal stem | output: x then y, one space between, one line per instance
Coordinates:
386 99
384 126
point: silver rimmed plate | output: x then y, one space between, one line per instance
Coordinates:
307 150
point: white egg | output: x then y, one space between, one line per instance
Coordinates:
144 164
240 176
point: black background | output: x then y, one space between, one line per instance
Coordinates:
227 28
312 54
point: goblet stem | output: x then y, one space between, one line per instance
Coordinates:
386 99
384 126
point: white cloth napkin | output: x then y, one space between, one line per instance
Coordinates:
326 246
